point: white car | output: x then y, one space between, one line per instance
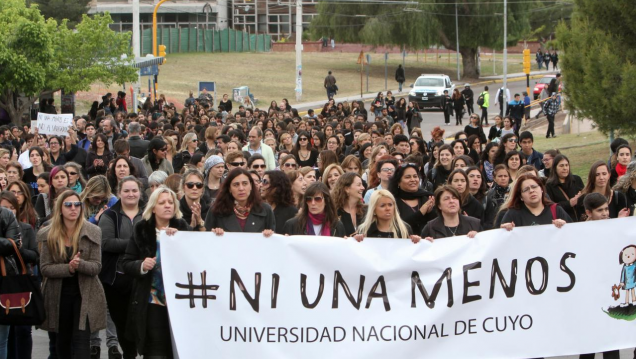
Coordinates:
428 90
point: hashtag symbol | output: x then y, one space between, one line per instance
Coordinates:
204 287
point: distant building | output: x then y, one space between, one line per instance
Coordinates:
273 17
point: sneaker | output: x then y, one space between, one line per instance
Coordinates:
95 352
113 353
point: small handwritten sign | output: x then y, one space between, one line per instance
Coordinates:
57 125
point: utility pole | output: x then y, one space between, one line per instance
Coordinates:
299 50
457 39
505 57
136 50
154 27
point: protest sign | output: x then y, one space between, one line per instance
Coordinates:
53 124
532 292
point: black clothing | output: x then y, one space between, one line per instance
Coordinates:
399 74
436 228
479 131
473 208
347 221
292 228
64 157
138 146
412 215
458 106
72 342
309 162
438 176
187 212
494 199
282 215
226 105
557 195
618 202
447 107
523 217
469 96
257 221
180 160
94 170
373 232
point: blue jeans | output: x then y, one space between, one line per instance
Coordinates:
4 339
400 86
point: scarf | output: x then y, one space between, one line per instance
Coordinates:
488 168
240 211
412 195
317 219
620 170
77 187
500 193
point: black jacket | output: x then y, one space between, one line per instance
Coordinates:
257 221
399 75
473 208
64 157
556 194
181 159
292 228
347 221
415 218
142 245
138 146
436 228
187 212
282 215
373 232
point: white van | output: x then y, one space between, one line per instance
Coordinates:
428 90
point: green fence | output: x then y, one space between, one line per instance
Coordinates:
201 40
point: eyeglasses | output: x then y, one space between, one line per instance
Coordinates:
237 164
259 166
317 199
514 140
265 182
191 185
303 139
288 165
195 140
72 173
72 204
388 170
533 187
17 193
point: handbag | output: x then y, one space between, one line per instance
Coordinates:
21 300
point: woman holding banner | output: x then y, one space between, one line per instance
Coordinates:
450 222
148 322
414 204
529 206
238 207
317 217
382 219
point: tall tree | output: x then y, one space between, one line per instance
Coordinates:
71 10
38 56
428 23
599 48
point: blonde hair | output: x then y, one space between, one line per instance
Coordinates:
325 174
173 146
57 229
397 225
154 198
96 186
187 139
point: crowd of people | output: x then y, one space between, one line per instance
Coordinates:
86 208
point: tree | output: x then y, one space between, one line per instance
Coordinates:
598 63
71 10
428 23
39 57
545 15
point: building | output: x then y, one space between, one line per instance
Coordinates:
273 17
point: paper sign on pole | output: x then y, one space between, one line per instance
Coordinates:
532 292
53 124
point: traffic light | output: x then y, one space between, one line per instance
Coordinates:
162 52
526 61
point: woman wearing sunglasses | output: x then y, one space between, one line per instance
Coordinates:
383 220
188 148
70 263
277 192
317 216
508 143
288 163
156 160
97 198
239 208
148 322
257 163
194 204
304 153
76 180
119 168
117 229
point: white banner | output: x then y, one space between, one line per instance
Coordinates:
51 124
533 292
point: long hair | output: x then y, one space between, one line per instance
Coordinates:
327 158
224 203
463 197
397 226
279 193
373 180
591 179
515 193
439 153
328 169
187 139
484 153
330 210
154 198
96 186
52 190
554 176
297 146
481 193
156 143
111 174
352 160
625 182
58 232
78 169
340 197
40 151
26 212
94 143
292 176
501 151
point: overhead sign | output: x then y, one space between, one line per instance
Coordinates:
52 124
149 71
532 292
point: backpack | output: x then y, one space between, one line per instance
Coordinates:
480 100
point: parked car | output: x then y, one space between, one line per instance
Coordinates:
427 91
543 83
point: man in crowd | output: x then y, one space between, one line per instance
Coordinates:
108 129
138 146
330 85
85 143
255 138
533 157
516 110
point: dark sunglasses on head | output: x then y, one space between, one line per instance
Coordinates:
259 166
191 185
317 199
237 164
72 204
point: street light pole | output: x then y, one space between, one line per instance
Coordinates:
136 50
505 57
299 49
457 39
154 27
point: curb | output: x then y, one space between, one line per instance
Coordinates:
512 79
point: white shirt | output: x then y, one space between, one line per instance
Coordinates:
24 160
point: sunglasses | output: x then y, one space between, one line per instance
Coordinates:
72 204
303 139
191 185
259 166
163 149
72 173
512 140
237 164
195 140
292 165
317 199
